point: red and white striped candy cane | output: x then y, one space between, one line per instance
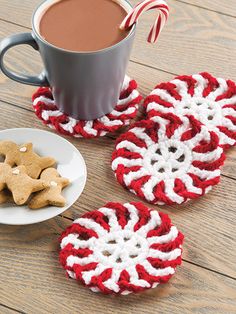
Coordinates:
146 5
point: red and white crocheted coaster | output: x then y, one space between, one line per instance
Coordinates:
121 248
126 109
210 100
168 163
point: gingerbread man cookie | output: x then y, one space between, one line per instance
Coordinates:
19 183
24 155
52 195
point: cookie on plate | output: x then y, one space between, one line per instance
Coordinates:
19 183
51 195
24 155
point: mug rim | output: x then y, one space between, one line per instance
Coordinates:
38 35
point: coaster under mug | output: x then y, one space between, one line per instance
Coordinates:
126 110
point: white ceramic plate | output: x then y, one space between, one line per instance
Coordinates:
70 164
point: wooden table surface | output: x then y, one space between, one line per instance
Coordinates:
200 36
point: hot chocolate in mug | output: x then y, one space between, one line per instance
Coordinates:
85 85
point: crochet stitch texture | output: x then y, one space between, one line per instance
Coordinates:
210 100
126 109
168 162
121 249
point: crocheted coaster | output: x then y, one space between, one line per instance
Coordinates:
168 163
121 248
210 100
126 109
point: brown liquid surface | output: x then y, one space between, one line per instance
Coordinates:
83 25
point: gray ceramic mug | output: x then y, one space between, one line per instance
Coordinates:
84 85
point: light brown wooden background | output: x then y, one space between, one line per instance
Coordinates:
200 36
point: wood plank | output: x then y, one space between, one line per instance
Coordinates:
18 11
28 6
194 40
39 286
6 310
193 36
207 223
224 7
230 164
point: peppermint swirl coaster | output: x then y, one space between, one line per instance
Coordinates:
126 109
210 100
121 249
168 163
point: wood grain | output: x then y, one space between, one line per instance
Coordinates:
224 7
38 283
6 310
214 38
214 219
8 11
176 51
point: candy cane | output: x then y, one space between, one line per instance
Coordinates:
146 5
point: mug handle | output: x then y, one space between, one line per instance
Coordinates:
19 39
